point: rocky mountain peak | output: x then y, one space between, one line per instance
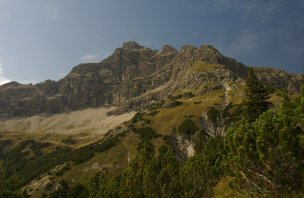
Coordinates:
11 84
209 48
168 49
131 77
84 68
132 45
186 49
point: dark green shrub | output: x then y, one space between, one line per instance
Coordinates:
17 161
69 141
106 144
146 133
188 127
174 103
138 117
147 121
152 113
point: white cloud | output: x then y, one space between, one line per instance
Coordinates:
94 57
3 79
62 74
145 43
89 58
28 82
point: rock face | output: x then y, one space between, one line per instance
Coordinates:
133 76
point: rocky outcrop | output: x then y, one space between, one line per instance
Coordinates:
280 79
132 77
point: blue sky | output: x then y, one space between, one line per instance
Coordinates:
44 39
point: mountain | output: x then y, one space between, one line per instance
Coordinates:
131 78
60 135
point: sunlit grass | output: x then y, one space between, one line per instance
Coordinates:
223 190
168 118
202 66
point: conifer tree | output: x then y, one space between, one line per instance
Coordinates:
265 156
201 173
256 96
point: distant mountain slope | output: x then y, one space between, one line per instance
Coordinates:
87 122
132 77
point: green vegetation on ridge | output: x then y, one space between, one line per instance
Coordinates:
258 154
261 155
26 160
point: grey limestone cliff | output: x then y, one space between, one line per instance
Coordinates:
133 76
